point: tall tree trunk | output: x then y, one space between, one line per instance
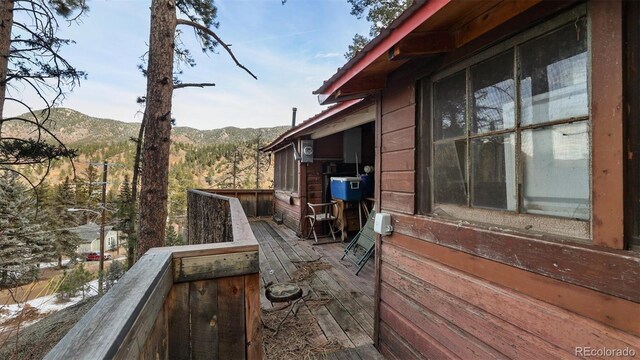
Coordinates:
131 240
157 133
6 23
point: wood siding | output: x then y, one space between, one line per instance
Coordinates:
472 317
451 290
255 202
287 207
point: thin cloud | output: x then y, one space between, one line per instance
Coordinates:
327 55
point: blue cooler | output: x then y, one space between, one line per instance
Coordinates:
346 188
366 183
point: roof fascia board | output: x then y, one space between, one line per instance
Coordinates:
404 29
348 122
328 113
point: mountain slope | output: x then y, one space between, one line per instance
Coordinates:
75 128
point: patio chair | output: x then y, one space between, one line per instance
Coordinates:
322 213
363 245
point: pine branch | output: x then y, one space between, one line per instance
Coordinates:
209 32
200 85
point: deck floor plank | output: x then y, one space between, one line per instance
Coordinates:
329 324
358 305
348 318
340 274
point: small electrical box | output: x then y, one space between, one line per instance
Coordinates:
382 224
307 151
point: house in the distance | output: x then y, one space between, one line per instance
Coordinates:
507 153
90 238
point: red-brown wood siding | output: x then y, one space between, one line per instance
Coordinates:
472 316
449 291
328 147
290 212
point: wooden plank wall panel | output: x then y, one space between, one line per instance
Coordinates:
398 161
177 308
399 140
474 312
400 181
253 329
397 150
290 213
397 95
399 202
395 347
480 325
441 330
203 302
231 317
314 193
613 272
399 119
155 348
411 334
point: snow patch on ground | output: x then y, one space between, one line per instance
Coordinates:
44 305
45 265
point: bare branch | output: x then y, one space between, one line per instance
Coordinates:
209 32
200 85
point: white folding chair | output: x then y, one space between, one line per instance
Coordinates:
322 213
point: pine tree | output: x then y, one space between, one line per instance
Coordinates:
379 13
23 243
200 16
31 60
114 273
66 242
125 216
173 238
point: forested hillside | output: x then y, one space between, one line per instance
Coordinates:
220 158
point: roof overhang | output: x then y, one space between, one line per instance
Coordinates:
310 126
426 28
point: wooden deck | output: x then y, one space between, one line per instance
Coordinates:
346 317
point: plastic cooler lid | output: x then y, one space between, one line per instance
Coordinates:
343 179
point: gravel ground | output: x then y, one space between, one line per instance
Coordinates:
36 340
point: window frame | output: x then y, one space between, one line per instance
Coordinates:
632 125
573 228
285 170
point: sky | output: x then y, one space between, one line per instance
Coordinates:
291 48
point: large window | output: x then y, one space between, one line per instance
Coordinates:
286 171
510 127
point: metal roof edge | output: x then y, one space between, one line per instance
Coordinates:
314 120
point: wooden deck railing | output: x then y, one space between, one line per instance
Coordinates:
185 302
255 202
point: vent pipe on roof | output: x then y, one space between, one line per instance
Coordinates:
293 117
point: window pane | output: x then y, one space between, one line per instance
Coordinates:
291 164
277 182
450 172
450 107
493 94
556 170
493 173
294 185
553 75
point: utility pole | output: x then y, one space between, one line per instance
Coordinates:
235 167
103 218
258 163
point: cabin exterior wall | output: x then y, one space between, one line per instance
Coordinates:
451 289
